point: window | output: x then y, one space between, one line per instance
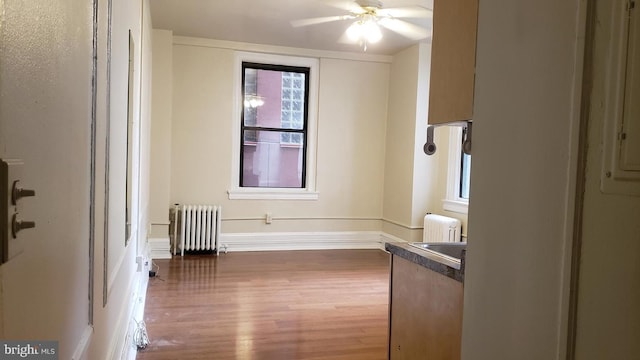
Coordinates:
459 174
273 126
465 176
275 154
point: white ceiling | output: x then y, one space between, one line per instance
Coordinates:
268 22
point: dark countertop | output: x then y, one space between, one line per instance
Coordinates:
421 257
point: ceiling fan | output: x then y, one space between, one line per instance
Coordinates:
368 16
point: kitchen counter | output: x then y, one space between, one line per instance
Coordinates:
426 259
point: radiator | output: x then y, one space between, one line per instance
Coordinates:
197 228
438 228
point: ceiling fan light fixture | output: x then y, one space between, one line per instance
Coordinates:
369 16
365 30
354 32
371 32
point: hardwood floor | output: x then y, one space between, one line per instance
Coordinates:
327 304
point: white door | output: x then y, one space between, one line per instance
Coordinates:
46 69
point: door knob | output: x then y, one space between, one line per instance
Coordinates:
18 192
17 225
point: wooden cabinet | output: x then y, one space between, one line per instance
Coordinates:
425 313
453 61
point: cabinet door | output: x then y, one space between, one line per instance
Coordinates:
453 60
425 313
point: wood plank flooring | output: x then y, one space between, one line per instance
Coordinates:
315 305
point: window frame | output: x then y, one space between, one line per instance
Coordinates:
303 132
308 191
453 201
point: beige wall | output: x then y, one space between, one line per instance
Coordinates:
415 184
352 108
525 116
400 144
201 125
351 132
425 168
371 128
162 108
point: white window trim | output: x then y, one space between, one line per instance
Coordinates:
246 193
453 202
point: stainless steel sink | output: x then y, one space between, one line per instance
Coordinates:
450 254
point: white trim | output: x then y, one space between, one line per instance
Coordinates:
453 202
302 241
271 194
83 344
565 327
302 218
132 306
269 49
139 297
410 227
457 206
390 238
309 192
160 248
118 343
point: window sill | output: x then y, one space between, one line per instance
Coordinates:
456 206
271 194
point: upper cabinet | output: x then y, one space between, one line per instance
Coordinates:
453 60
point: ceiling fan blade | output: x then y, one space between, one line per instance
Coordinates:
318 20
407 12
346 5
404 28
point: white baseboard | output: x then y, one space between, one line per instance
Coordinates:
118 344
301 241
390 238
136 313
121 346
159 248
